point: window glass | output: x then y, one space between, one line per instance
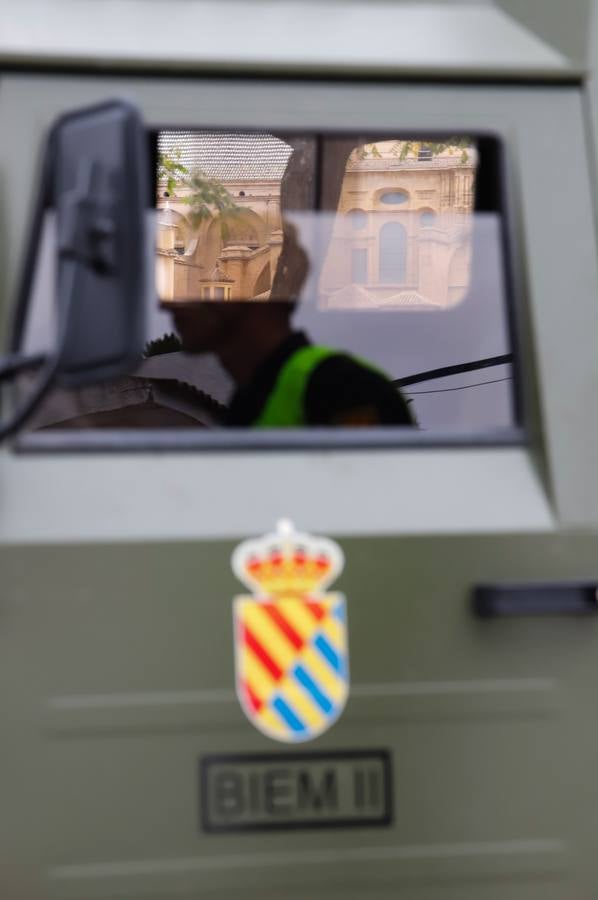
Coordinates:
358 219
394 198
315 280
359 266
392 242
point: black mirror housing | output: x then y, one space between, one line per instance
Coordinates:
105 265
96 181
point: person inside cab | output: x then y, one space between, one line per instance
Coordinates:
281 378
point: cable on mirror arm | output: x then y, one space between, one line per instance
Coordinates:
15 363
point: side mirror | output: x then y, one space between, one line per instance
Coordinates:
95 192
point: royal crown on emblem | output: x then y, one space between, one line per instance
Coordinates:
287 563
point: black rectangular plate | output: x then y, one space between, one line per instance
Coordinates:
273 791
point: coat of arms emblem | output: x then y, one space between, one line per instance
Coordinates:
292 666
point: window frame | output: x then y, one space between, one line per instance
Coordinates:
492 192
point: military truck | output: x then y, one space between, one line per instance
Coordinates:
190 707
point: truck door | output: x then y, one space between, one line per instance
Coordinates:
454 251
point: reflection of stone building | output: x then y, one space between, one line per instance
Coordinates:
404 238
244 249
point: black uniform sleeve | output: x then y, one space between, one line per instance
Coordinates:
343 391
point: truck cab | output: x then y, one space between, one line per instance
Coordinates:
434 167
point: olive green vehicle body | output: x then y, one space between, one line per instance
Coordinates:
116 647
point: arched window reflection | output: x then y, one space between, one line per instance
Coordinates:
393 254
358 219
427 218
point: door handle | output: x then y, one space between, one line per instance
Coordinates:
536 599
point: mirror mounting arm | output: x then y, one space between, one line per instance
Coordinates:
16 362
12 365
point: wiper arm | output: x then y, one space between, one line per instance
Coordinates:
454 370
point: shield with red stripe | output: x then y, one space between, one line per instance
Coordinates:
292 667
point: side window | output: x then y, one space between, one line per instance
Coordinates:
317 280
